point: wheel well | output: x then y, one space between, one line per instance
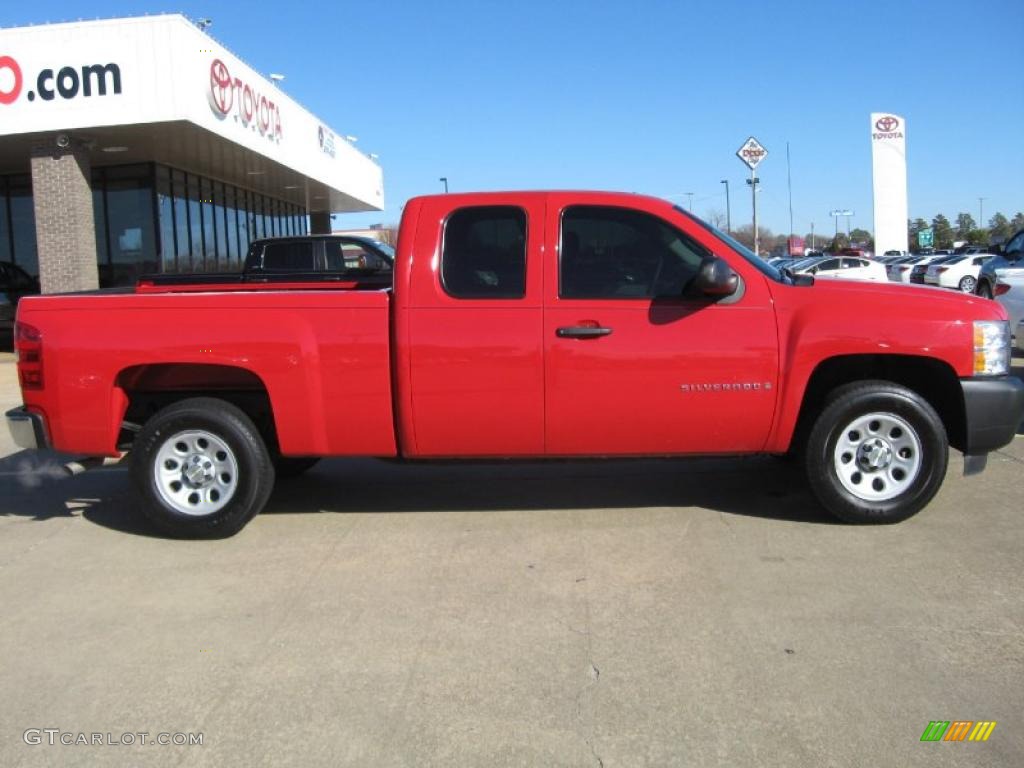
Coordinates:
151 388
933 379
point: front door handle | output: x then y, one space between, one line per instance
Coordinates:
582 332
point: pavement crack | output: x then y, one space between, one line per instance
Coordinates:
1010 457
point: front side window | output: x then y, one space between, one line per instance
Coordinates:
289 256
342 255
1016 245
484 253
619 253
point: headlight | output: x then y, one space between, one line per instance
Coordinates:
991 348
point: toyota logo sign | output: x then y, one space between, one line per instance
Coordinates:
887 124
222 90
250 107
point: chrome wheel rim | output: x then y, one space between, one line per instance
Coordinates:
195 472
967 285
877 456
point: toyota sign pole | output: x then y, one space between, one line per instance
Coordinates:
752 153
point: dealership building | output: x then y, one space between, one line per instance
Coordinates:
141 145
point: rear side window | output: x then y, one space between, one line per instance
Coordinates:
484 253
295 256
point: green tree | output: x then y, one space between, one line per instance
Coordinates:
999 228
943 232
1017 222
839 242
978 237
745 234
964 225
862 237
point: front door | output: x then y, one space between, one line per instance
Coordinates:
634 367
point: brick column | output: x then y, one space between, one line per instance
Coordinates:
319 223
65 230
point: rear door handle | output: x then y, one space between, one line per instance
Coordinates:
582 332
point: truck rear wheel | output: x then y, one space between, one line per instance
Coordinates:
202 469
877 453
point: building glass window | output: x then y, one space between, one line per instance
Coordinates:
209 224
99 219
257 217
195 222
221 223
5 223
165 210
231 223
23 223
132 234
184 250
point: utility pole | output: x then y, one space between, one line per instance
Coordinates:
753 181
690 203
812 237
981 213
789 185
728 215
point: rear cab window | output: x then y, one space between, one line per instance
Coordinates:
483 255
288 256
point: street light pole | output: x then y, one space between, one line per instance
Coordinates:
728 214
981 213
753 182
444 180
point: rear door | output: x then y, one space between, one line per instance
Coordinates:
476 368
633 367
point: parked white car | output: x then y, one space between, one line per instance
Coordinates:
901 271
847 268
959 272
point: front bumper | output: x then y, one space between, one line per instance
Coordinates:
28 429
994 410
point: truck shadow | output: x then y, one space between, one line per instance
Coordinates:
36 487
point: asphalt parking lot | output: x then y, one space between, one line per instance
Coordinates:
632 613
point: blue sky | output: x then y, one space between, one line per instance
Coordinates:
649 96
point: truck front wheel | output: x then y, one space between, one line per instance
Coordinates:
877 453
202 469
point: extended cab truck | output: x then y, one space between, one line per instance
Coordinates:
525 325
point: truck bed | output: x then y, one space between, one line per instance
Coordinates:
320 353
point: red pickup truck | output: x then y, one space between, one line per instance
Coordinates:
521 325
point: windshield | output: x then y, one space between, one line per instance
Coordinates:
761 265
387 250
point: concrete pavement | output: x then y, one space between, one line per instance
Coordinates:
632 613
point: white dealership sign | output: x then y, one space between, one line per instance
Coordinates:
889 174
163 69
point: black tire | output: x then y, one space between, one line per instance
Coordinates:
252 482
984 289
898 408
293 466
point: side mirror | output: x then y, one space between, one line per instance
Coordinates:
716 279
